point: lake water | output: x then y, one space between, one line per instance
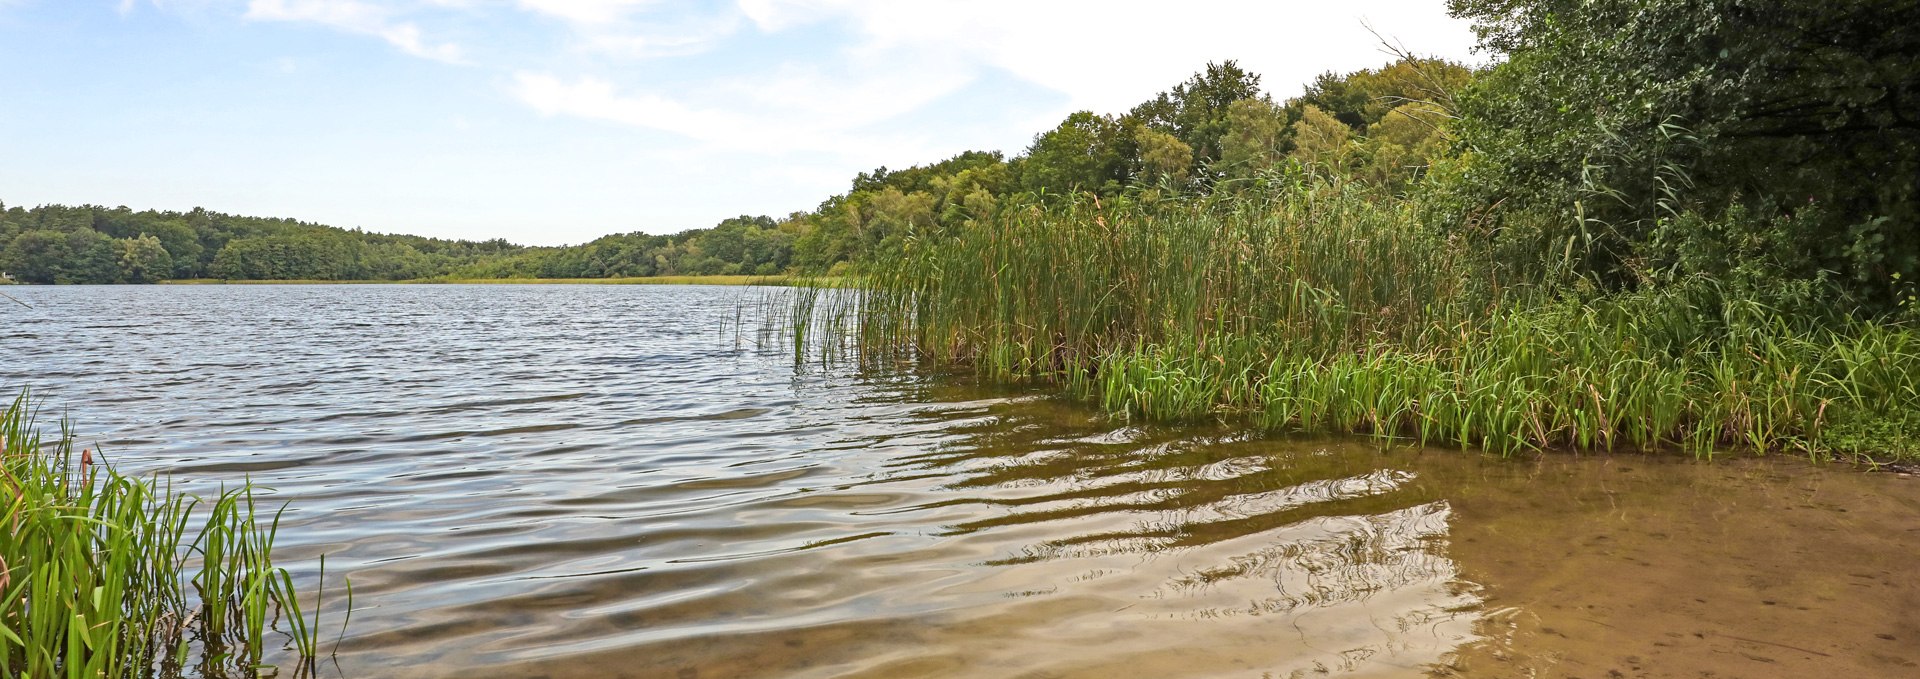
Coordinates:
615 481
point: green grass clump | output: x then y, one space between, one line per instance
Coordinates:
1319 305
102 575
629 280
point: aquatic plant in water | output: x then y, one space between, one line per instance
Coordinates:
1316 304
104 575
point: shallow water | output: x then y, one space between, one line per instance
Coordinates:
611 481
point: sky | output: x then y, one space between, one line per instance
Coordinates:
549 122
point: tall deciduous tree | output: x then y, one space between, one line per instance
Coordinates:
1195 111
1083 153
1256 133
143 260
1163 157
1633 112
1320 139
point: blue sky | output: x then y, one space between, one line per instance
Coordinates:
557 121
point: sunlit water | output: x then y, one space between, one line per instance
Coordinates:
619 481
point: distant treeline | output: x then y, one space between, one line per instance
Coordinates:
90 244
1218 125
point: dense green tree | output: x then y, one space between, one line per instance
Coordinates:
182 245
391 262
1321 139
1401 145
295 256
745 243
1163 157
1195 111
36 256
1632 113
1256 137
1084 153
143 260
1412 125
1363 97
891 218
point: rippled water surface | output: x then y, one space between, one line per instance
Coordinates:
617 481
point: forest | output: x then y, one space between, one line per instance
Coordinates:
54 244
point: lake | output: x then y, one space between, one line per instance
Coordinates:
622 481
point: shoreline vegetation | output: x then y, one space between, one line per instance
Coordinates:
1255 309
736 280
1607 241
105 575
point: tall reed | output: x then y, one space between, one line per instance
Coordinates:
103 575
1316 304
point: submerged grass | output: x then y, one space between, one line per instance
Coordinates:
103 575
1316 305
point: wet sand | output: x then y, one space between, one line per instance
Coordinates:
1639 567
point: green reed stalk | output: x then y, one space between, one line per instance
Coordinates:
102 575
1319 305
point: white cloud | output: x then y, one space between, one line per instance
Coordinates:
762 129
585 11
899 57
355 17
650 36
590 97
840 70
778 15
1108 55
837 98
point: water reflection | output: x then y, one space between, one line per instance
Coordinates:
604 482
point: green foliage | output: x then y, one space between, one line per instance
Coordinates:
1086 152
1255 139
1321 139
1163 157
293 256
1363 98
59 244
143 260
1664 224
102 575
1628 114
82 255
1196 111
1318 304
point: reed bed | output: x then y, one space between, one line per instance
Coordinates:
1313 304
107 576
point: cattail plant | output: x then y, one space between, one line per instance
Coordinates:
105 575
1317 304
